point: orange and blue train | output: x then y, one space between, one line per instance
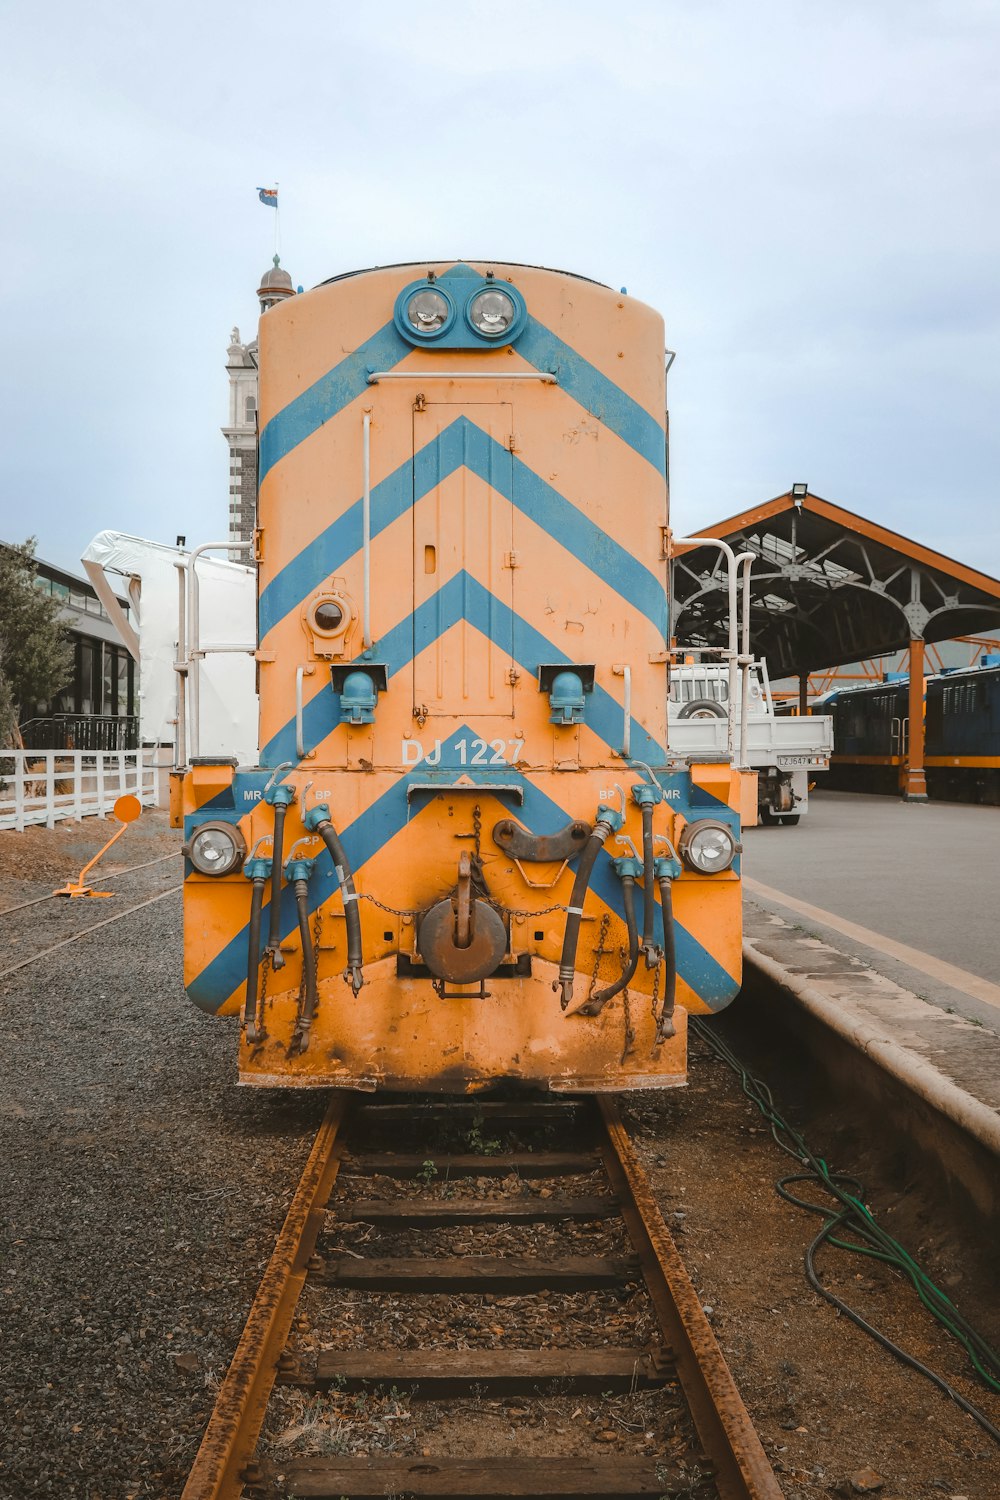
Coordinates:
467 853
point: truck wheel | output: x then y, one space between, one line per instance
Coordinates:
702 708
766 816
790 818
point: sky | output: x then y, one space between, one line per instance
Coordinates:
808 192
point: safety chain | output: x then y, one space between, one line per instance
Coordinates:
626 1012
417 911
600 951
265 969
477 828
317 936
655 995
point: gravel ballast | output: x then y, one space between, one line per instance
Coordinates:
142 1194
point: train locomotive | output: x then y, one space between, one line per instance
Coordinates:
467 853
961 729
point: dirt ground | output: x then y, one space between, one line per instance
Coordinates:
34 862
830 1403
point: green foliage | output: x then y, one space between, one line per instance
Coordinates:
427 1172
36 657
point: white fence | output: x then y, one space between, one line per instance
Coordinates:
44 786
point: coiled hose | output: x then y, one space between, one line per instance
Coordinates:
341 864
574 912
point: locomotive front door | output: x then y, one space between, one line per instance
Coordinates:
463 579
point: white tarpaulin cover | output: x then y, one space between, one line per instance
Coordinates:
228 618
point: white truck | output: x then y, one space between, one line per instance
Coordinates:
785 752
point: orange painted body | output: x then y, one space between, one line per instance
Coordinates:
515 525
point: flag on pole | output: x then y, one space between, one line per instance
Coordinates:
269 196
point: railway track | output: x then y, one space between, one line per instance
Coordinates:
388 1277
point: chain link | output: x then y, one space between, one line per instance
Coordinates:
600 951
265 969
656 994
626 1013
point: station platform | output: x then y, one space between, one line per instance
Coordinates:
881 918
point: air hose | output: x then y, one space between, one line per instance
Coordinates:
627 869
649 948
257 871
608 821
297 873
666 871
280 797
318 820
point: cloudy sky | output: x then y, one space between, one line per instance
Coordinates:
808 192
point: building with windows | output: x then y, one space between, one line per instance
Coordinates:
96 710
240 432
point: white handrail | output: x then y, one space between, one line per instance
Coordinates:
732 653
623 670
195 652
545 376
300 745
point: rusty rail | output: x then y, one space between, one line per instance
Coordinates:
225 1462
743 1471
227 1446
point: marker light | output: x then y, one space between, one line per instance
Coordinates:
216 849
707 846
428 311
492 313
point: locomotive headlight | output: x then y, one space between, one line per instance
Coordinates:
707 846
427 311
492 313
216 849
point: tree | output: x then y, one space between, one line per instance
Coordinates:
36 656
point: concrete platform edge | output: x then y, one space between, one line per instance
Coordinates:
914 1073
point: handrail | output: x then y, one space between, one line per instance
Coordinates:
545 376
195 652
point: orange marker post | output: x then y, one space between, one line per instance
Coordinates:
126 810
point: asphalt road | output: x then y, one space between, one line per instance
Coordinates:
926 875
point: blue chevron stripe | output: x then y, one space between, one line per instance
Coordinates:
463 598
385 818
598 395
463 444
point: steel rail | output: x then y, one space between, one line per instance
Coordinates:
227 1447
5 911
94 927
742 1469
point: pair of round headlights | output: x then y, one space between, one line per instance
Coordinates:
492 312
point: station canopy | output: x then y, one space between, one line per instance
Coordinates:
827 587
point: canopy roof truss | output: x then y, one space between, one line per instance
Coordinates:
827 587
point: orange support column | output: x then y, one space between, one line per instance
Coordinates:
915 782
